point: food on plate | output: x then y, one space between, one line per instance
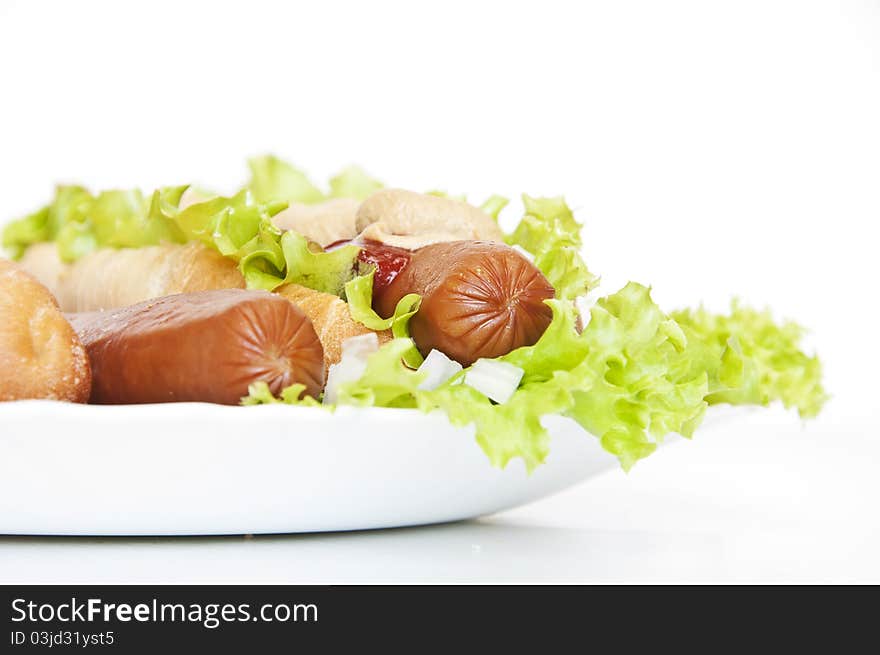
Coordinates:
479 299
109 278
383 260
325 223
42 261
207 346
40 354
420 301
410 220
331 318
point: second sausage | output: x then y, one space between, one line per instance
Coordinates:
205 346
479 299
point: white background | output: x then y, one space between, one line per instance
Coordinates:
711 149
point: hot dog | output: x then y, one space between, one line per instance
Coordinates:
479 299
205 346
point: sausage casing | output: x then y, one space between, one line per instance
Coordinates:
479 299
204 346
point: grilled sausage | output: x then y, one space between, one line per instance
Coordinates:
203 346
479 299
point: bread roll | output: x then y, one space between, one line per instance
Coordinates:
109 278
331 318
43 262
40 354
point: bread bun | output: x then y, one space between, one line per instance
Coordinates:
40 354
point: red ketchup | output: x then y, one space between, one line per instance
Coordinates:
388 260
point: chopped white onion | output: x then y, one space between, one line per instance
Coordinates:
439 369
351 366
495 380
363 344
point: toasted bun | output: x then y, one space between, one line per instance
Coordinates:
331 318
40 354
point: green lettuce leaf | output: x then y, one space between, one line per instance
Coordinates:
70 205
625 373
359 295
560 348
621 378
274 180
76 239
237 227
493 205
353 182
119 218
630 377
751 360
163 210
549 231
240 227
322 271
225 223
387 380
260 394
33 228
503 431
80 222
632 387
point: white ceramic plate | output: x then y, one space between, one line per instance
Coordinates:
198 469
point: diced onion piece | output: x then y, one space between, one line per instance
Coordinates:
439 369
361 345
495 380
351 366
